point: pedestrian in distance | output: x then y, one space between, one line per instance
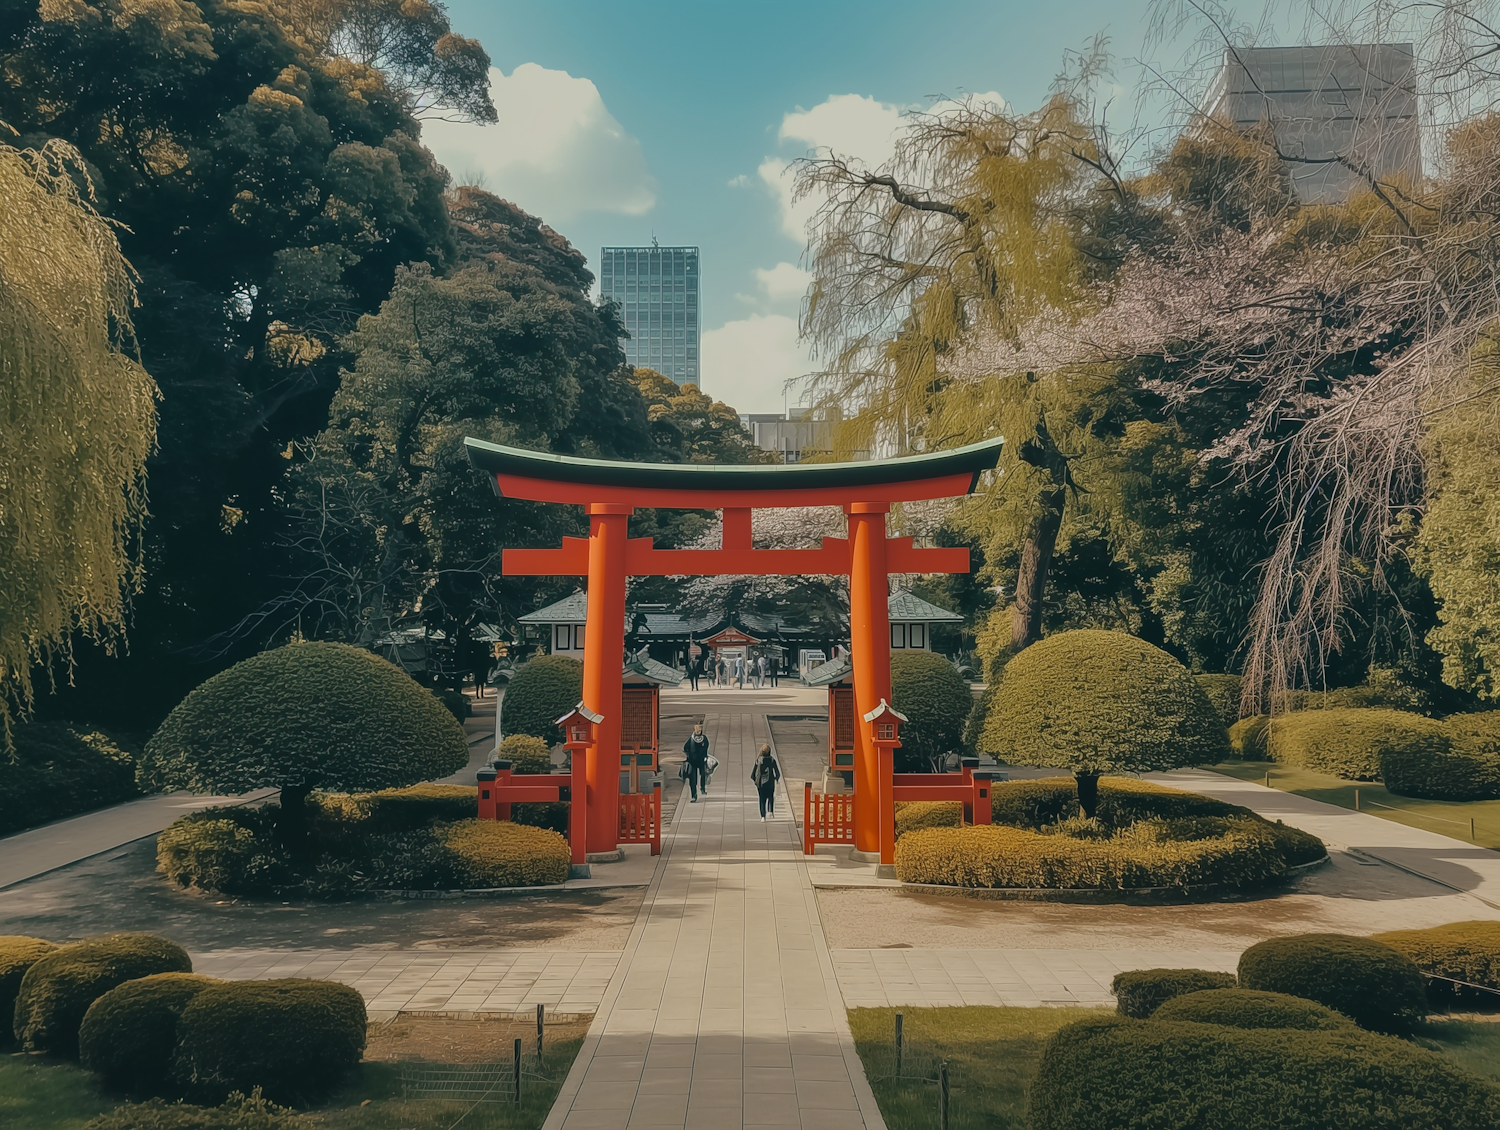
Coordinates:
763 775
693 671
696 751
719 671
775 668
760 671
739 671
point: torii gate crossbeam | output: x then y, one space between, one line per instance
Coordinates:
610 491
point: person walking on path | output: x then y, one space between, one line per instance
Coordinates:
719 671
696 750
694 669
775 668
763 775
739 671
760 671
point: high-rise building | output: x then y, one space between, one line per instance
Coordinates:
657 292
1337 111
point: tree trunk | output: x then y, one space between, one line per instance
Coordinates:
1031 578
1088 793
291 827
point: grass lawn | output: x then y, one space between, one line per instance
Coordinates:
1448 817
992 1053
36 1094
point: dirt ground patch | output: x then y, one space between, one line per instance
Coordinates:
483 1038
1342 897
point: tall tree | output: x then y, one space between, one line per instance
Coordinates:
77 420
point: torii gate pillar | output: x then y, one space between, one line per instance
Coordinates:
603 653
870 642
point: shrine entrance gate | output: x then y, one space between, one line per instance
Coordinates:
610 491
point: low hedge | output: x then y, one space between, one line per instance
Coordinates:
1140 992
128 1035
57 769
496 853
1371 983
18 953
1247 738
1251 1008
1468 768
1223 691
402 810
1113 1073
1462 951
57 990
236 1113
526 753
914 815
1351 743
293 1038
1122 801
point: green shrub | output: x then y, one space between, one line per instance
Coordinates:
302 717
455 702
1383 688
403 810
936 701
1224 692
496 853
218 849
1114 1073
128 1034
1034 804
18 953
1468 770
1351 743
1251 1008
913 815
1476 734
1122 802
1296 846
1247 737
237 1113
1099 702
1461 951
1373 984
293 1038
540 692
59 987
1140 992
58 769
526 753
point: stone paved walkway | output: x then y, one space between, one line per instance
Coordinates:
724 1011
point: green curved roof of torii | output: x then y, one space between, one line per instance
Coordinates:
501 460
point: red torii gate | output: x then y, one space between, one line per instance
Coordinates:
610 491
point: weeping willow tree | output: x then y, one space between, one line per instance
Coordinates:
969 233
77 420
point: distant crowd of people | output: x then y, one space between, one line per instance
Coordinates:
733 670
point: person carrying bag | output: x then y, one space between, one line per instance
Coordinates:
763 775
696 751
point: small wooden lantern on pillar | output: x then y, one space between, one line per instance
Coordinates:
578 735
885 735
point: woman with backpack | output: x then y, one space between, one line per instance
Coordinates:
763 775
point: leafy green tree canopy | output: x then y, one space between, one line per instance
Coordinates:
936 701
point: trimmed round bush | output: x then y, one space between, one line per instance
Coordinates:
217 849
540 692
18 953
1251 1008
1098 702
914 815
1224 692
237 1113
1468 769
302 717
526 753
1112 1073
128 1034
936 701
59 987
1140 992
293 1038
1462 951
1371 983
497 853
1247 738
1351 743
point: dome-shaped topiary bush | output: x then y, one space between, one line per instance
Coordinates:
1224 692
129 1033
936 701
1251 1008
18 953
302 717
538 694
1459 951
1140 992
1101 702
57 990
1353 742
293 1038
526 753
1372 984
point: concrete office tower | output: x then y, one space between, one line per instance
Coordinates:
1332 107
657 291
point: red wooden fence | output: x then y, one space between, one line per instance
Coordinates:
827 818
640 819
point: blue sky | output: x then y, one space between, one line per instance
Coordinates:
620 121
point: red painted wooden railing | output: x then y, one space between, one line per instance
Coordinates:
640 818
827 818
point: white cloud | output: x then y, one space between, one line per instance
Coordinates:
783 281
556 150
746 363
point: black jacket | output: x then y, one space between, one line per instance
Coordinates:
761 778
696 748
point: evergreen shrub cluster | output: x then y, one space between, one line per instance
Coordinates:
526 753
1247 738
1351 743
238 1112
58 770
1371 983
421 838
540 692
914 815
129 1034
1140 992
18 953
1250 1008
937 702
1223 691
1461 951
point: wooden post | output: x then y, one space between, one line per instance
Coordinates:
518 1070
899 1044
943 1095
603 655
486 779
870 640
540 1013
502 778
807 808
